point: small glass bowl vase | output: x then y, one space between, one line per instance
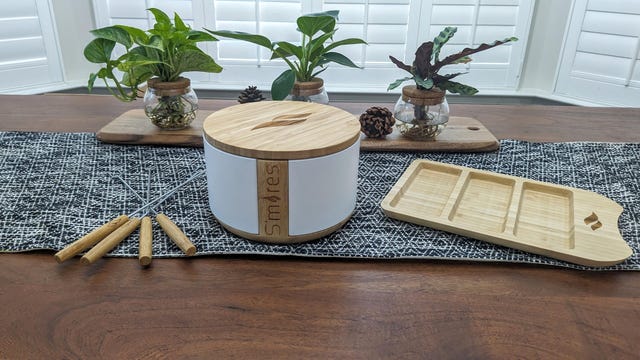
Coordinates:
421 114
309 91
170 105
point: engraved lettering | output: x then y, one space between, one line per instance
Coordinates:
273 212
274 229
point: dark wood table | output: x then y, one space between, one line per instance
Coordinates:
257 307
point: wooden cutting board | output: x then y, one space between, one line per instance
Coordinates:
565 223
462 134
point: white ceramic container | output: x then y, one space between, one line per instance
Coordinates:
282 172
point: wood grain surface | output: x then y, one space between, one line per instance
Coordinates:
462 134
267 307
542 218
281 130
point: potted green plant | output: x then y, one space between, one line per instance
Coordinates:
158 56
422 110
306 60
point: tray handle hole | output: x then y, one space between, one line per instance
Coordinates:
591 218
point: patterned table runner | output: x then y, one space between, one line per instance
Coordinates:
56 187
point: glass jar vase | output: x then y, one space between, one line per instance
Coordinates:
309 91
170 105
421 114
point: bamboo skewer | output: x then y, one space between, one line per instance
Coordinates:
170 228
112 233
90 239
111 241
175 234
145 243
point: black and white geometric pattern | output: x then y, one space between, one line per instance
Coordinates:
56 187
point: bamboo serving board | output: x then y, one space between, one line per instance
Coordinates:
566 223
461 134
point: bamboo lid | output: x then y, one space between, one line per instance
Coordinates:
281 130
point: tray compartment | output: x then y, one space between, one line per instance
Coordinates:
483 203
546 215
427 190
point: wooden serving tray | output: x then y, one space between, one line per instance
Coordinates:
461 134
566 223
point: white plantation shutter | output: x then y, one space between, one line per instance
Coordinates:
391 27
483 21
28 54
601 60
244 63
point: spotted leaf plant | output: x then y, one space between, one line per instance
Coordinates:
426 67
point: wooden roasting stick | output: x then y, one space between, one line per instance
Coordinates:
111 241
146 235
90 239
178 237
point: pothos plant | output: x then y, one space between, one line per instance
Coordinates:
425 70
306 60
165 52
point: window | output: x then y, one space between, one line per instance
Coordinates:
28 52
391 27
601 60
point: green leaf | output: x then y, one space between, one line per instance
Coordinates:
310 24
282 85
92 80
155 42
138 36
197 36
458 88
239 35
99 50
442 39
340 59
350 41
196 60
425 83
317 42
114 33
180 25
289 48
137 76
130 64
161 18
397 83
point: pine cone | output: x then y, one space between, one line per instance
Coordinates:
250 94
377 122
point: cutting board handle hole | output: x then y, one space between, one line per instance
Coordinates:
473 128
